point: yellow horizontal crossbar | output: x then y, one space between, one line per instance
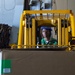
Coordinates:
45 22
47 11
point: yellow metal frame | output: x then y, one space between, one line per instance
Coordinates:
29 39
33 32
59 32
47 11
66 37
45 22
72 19
20 36
63 35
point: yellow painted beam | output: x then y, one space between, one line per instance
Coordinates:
33 33
26 36
66 36
47 11
20 35
63 35
72 25
45 22
30 37
59 32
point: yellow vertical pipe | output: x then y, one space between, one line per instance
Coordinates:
33 33
20 35
63 35
66 36
69 31
30 37
59 32
26 36
72 25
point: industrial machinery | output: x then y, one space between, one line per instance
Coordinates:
30 60
63 20
31 20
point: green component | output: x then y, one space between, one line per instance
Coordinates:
51 42
6 66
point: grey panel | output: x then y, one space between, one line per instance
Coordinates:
41 62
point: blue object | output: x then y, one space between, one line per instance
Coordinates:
47 28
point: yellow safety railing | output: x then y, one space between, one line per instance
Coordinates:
27 35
